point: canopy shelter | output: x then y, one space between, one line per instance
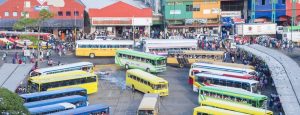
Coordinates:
11 75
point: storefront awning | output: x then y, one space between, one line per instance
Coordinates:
195 26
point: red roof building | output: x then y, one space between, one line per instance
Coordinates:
67 13
120 17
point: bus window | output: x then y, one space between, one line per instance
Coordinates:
222 82
229 83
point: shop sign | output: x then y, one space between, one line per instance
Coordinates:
39 8
232 14
175 11
215 10
142 21
111 21
195 21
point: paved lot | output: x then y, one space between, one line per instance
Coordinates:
124 101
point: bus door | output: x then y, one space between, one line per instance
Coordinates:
182 61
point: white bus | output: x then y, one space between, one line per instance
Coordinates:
210 79
149 105
235 72
85 66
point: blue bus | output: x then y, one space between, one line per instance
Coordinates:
77 100
38 96
51 108
98 109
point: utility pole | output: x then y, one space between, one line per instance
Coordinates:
273 11
293 17
253 4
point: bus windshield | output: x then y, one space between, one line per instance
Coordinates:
161 62
33 87
160 86
146 112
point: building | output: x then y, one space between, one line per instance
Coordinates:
120 18
233 12
201 16
68 14
289 12
261 11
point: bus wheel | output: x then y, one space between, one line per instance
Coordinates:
126 66
181 65
148 92
133 89
92 55
148 70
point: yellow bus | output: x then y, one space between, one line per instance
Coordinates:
206 110
149 105
234 107
146 82
182 58
104 48
64 80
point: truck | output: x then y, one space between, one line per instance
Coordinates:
256 29
290 33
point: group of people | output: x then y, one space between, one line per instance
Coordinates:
264 78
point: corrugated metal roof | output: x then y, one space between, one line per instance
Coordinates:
17 76
103 3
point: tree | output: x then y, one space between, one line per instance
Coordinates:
43 16
24 23
11 103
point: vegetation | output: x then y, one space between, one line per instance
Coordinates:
11 103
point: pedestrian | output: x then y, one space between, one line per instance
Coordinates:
20 61
47 45
4 57
14 60
48 55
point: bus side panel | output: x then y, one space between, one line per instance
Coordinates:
171 60
90 87
138 86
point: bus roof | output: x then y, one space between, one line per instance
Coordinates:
216 111
61 76
105 42
221 66
148 102
236 65
227 78
52 107
159 41
180 45
234 92
45 93
54 101
196 52
223 104
147 76
55 68
80 110
141 54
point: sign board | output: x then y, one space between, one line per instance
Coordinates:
26 52
142 21
195 21
111 21
39 8
175 11
232 14
256 29
206 11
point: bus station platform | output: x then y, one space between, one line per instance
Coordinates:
12 75
285 73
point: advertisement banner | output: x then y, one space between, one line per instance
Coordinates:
231 14
256 29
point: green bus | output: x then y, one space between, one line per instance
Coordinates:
233 95
131 59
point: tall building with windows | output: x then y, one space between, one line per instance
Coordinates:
200 16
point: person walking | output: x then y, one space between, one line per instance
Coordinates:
4 57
